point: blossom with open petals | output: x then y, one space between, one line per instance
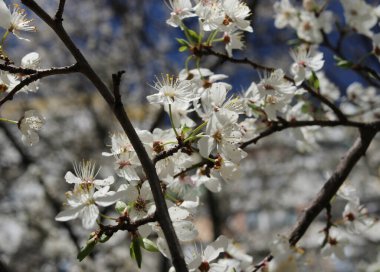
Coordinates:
14 21
172 89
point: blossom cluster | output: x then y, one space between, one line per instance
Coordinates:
213 144
228 18
210 122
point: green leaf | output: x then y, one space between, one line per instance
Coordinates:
182 41
148 245
342 62
135 251
183 48
87 249
314 81
120 207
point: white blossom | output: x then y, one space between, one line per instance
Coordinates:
286 14
30 123
172 89
141 203
306 61
15 21
360 16
83 202
233 40
181 9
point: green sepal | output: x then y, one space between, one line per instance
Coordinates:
148 245
185 130
87 249
135 251
120 207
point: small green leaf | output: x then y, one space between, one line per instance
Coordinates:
182 41
148 245
87 249
120 207
135 251
183 48
342 62
314 81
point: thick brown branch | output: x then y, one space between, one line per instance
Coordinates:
332 185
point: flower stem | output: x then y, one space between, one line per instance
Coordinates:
3 38
211 37
9 121
107 217
171 120
187 62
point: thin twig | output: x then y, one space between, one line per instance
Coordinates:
277 126
124 224
38 75
328 226
320 97
59 13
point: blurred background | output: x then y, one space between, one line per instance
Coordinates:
278 178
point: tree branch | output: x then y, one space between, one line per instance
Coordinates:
36 76
121 115
332 185
277 126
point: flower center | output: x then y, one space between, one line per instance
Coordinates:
218 136
158 146
350 217
3 88
227 20
204 267
140 204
